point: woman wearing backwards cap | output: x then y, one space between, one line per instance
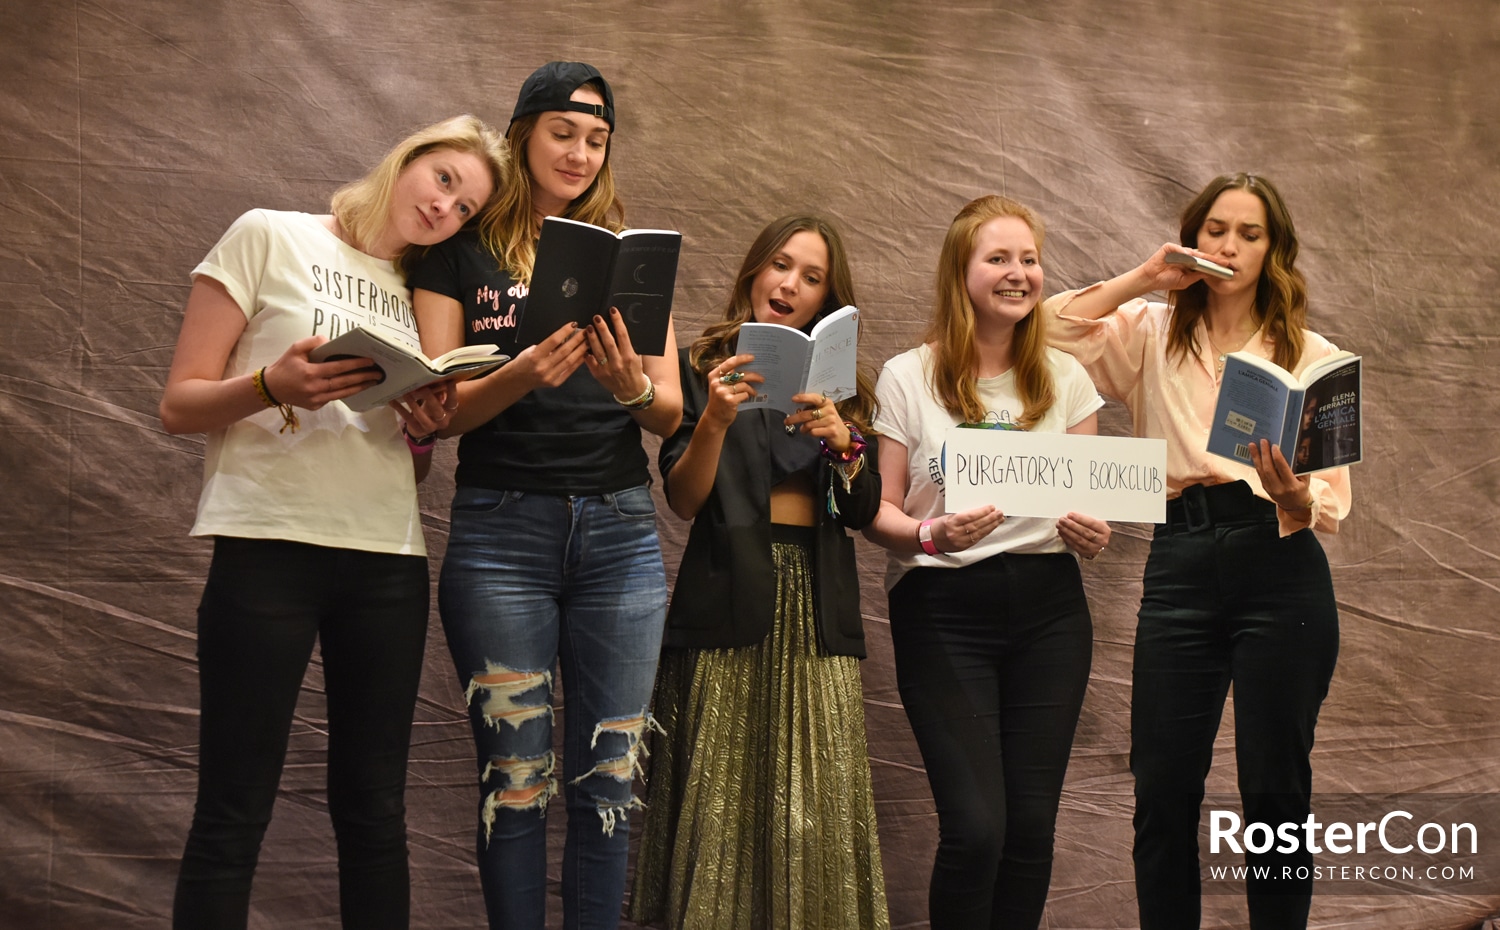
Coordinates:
552 553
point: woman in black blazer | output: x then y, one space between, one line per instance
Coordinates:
760 801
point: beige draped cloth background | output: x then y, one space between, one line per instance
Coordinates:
131 134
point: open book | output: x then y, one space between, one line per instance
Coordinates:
793 363
1315 419
404 367
583 270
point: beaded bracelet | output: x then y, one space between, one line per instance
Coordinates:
288 415
420 446
643 400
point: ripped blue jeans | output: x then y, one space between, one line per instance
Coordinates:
531 580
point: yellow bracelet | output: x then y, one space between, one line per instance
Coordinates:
288 415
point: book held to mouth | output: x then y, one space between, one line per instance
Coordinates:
823 362
583 270
1194 263
405 368
1315 419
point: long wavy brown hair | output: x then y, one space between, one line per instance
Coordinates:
1280 292
717 342
509 228
951 332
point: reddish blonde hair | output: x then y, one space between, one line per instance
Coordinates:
951 332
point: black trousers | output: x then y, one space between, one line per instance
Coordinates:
1226 600
265 603
992 660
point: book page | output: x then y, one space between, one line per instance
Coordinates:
835 352
463 354
1252 406
645 275
781 355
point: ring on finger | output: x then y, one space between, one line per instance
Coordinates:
817 414
732 377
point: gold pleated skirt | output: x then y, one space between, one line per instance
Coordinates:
759 812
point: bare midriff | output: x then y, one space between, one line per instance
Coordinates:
793 501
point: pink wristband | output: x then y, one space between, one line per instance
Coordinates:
419 446
924 537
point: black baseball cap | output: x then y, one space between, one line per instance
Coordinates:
550 86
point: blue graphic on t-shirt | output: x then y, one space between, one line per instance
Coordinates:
992 420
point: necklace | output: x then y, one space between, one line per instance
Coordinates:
1220 354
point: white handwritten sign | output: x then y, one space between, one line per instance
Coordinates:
1049 474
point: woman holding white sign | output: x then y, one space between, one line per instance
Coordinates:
992 633
760 807
1237 587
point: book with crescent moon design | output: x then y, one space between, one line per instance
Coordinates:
582 271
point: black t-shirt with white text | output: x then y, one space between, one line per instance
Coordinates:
571 439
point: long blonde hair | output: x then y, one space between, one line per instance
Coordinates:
951 332
363 207
1280 292
717 342
509 227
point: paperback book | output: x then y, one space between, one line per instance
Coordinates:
792 362
1315 419
404 367
582 271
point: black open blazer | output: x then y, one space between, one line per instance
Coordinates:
726 586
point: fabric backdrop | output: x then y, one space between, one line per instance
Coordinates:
132 134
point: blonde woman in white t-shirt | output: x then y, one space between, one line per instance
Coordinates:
991 630
313 512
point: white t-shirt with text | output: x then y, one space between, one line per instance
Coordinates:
343 479
911 415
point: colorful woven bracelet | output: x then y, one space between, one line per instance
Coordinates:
857 447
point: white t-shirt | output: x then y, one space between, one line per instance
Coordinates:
911 415
344 479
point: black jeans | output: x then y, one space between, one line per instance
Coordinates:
1226 599
265 603
993 661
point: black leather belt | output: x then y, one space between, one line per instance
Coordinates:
1202 507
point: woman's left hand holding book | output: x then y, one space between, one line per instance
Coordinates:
198 398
